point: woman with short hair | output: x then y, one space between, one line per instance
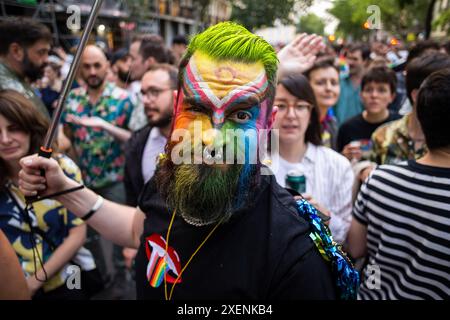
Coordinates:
329 177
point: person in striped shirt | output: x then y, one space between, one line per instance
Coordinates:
402 213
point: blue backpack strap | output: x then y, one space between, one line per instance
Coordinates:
346 277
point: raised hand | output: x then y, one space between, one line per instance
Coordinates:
300 54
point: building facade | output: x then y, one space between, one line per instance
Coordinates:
120 20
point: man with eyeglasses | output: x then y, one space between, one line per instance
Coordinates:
145 51
144 147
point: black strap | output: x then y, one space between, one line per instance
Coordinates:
49 241
60 193
26 215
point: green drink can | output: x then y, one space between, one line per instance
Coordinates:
296 180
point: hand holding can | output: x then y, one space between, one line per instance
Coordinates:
296 180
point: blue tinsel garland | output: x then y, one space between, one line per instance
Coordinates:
347 278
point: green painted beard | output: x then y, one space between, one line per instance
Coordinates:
203 194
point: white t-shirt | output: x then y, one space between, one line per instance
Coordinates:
154 146
329 180
138 118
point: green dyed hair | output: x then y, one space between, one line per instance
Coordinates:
228 40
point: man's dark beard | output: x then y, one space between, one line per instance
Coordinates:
30 70
96 85
163 121
123 76
203 194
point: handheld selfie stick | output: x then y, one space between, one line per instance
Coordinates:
46 150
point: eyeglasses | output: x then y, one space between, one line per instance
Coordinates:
300 108
153 92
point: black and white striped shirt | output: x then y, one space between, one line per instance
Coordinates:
406 209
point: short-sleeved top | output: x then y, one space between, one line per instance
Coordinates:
406 209
391 143
263 252
349 103
100 155
138 118
358 129
51 218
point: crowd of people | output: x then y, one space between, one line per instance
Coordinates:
364 126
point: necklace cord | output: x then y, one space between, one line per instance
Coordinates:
35 249
167 247
25 212
168 298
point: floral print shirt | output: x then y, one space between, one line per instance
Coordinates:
48 217
100 155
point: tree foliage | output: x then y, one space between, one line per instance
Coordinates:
254 14
311 23
397 16
443 20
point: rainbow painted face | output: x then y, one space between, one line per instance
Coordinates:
222 107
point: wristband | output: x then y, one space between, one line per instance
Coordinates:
94 209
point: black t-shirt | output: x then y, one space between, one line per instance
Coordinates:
263 252
358 129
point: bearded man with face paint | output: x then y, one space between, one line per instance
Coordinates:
210 224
